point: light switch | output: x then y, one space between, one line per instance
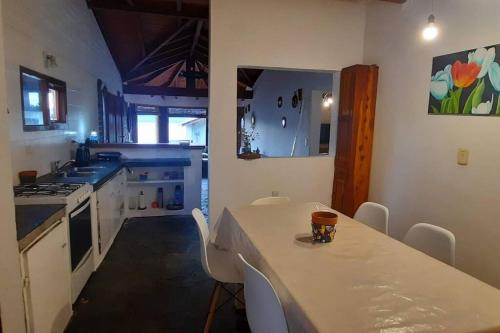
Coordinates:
463 156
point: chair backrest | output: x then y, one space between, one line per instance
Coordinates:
373 215
432 240
203 234
264 311
271 201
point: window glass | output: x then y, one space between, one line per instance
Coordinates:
189 129
33 113
187 112
147 128
53 110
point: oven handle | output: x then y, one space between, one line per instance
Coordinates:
81 209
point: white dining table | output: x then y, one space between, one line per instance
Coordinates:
363 281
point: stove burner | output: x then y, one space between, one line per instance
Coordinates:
45 189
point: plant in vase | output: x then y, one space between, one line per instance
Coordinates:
247 136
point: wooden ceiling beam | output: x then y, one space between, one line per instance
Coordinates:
166 8
163 44
176 75
169 52
161 65
167 91
196 37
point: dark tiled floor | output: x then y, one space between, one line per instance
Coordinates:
152 281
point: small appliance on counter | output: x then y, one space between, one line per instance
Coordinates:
27 177
82 156
108 156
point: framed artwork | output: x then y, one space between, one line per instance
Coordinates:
466 83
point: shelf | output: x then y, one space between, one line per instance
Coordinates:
154 212
154 181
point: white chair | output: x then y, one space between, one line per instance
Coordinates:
373 215
271 201
432 240
264 311
222 266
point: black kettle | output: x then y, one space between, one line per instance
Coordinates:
82 157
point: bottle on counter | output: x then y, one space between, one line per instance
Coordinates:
178 195
159 197
142 201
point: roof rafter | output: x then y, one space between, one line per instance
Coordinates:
164 43
166 8
199 25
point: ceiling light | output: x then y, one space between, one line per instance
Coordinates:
430 31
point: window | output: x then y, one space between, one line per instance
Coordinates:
147 128
171 125
187 129
43 101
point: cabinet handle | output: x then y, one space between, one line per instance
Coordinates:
64 245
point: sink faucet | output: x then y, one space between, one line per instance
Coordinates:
58 168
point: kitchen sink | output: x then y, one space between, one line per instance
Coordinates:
80 173
88 168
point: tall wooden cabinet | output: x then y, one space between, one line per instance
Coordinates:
358 91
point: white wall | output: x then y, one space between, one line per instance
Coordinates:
11 303
68 30
316 34
274 140
180 101
414 170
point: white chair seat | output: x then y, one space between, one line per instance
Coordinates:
223 265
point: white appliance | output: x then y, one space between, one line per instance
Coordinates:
76 197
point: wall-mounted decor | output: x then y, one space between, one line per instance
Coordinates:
295 100
280 102
283 122
466 83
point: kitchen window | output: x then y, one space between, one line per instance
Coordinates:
171 125
43 101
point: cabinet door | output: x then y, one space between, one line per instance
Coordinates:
48 282
105 215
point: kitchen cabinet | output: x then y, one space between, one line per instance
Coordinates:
110 212
47 281
358 92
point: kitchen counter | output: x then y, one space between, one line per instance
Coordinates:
33 220
110 168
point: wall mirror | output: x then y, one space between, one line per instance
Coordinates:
303 121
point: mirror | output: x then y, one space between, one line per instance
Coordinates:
296 112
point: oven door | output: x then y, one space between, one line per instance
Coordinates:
80 233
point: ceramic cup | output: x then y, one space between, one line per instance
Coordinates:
323 226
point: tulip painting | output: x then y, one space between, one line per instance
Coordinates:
466 83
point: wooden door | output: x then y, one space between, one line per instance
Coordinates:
358 89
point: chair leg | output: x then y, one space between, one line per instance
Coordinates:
214 299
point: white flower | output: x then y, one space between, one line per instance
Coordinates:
483 108
441 82
483 58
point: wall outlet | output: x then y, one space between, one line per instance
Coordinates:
462 156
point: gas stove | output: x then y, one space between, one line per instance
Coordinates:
51 193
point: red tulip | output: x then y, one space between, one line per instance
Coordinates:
464 74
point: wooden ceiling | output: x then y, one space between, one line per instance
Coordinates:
159 46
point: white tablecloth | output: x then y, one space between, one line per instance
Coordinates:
363 281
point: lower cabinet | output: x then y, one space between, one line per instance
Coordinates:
47 281
110 204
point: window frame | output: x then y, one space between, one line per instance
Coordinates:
163 113
46 83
